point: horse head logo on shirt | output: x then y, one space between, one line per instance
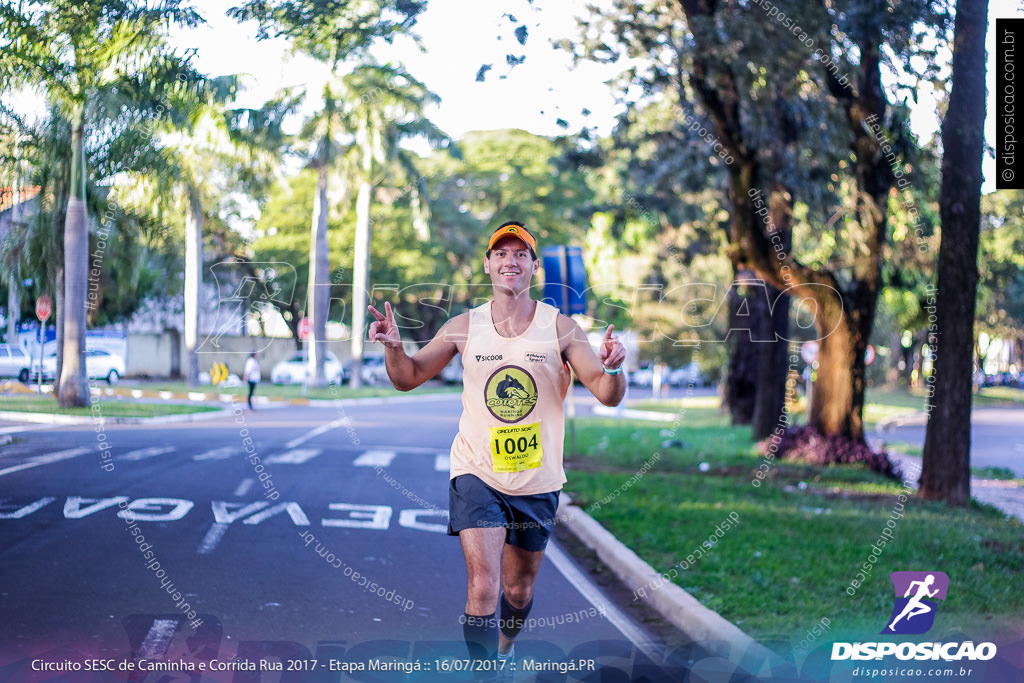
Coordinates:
510 393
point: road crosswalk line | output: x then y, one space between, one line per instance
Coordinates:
375 459
45 460
222 453
151 452
296 456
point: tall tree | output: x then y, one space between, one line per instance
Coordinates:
758 90
946 461
75 50
384 105
206 148
330 32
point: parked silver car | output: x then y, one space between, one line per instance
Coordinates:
15 362
99 364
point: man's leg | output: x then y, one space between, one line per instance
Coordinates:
518 573
482 548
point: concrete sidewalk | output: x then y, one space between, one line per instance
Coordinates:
1007 496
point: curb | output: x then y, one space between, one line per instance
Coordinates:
57 419
194 397
204 397
682 610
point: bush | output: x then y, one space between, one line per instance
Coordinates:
806 444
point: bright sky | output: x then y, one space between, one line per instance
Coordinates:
459 36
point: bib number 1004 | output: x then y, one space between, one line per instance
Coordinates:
511 446
516 448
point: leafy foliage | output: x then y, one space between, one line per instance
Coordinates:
807 445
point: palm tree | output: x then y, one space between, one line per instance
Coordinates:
384 105
76 50
206 146
330 33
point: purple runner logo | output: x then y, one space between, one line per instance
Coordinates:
914 612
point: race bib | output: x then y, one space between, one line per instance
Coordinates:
515 448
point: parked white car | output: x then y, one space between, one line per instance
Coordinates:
642 376
294 370
15 362
452 373
374 371
689 375
99 364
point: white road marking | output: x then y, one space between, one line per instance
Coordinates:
375 459
28 428
222 453
293 457
155 645
45 460
243 488
317 432
212 538
223 514
442 462
73 505
299 517
593 594
410 519
151 452
27 509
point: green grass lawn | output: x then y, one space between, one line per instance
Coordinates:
109 407
803 535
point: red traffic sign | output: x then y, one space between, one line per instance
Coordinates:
305 328
869 355
43 307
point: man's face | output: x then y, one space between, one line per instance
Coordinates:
510 265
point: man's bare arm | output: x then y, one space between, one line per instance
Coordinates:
609 389
408 372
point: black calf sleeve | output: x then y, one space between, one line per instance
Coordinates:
481 634
512 618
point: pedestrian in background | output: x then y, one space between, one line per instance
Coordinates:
252 374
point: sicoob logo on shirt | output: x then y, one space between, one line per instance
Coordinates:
510 393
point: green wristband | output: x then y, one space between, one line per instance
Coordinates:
616 371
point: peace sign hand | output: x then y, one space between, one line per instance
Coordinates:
384 329
612 352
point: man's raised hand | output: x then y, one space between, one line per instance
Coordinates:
612 352
384 328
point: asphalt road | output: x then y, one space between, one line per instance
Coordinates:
328 554
997 439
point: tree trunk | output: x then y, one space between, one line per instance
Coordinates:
13 308
74 386
745 322
361 268
14 282
58 307
773 352
772 366
318 299
946 461
193 283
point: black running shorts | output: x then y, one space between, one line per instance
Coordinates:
528 520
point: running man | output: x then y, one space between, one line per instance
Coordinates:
914 606
506 460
